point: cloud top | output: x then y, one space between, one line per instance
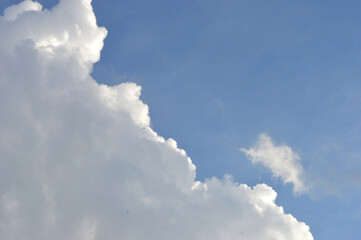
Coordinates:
11 13
281 160
79 160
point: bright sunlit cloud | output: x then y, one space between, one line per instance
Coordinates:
79 160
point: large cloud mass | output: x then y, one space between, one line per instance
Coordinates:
78 160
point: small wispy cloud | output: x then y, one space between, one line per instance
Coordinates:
281 160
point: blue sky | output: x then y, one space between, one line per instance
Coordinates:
226 71
216 74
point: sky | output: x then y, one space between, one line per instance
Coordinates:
261 95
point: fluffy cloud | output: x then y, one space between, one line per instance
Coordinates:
281 160
78 160
12 12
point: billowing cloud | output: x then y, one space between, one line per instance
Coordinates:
11 13
281 160
78 159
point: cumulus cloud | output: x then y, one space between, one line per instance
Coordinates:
12 12
78 159
281 160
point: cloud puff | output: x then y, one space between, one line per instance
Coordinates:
11 13
281 160
78 160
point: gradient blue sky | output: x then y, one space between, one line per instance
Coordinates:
216 74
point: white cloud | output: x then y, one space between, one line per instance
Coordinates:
11 13
281 160
78 160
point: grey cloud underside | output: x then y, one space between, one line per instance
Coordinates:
78 160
